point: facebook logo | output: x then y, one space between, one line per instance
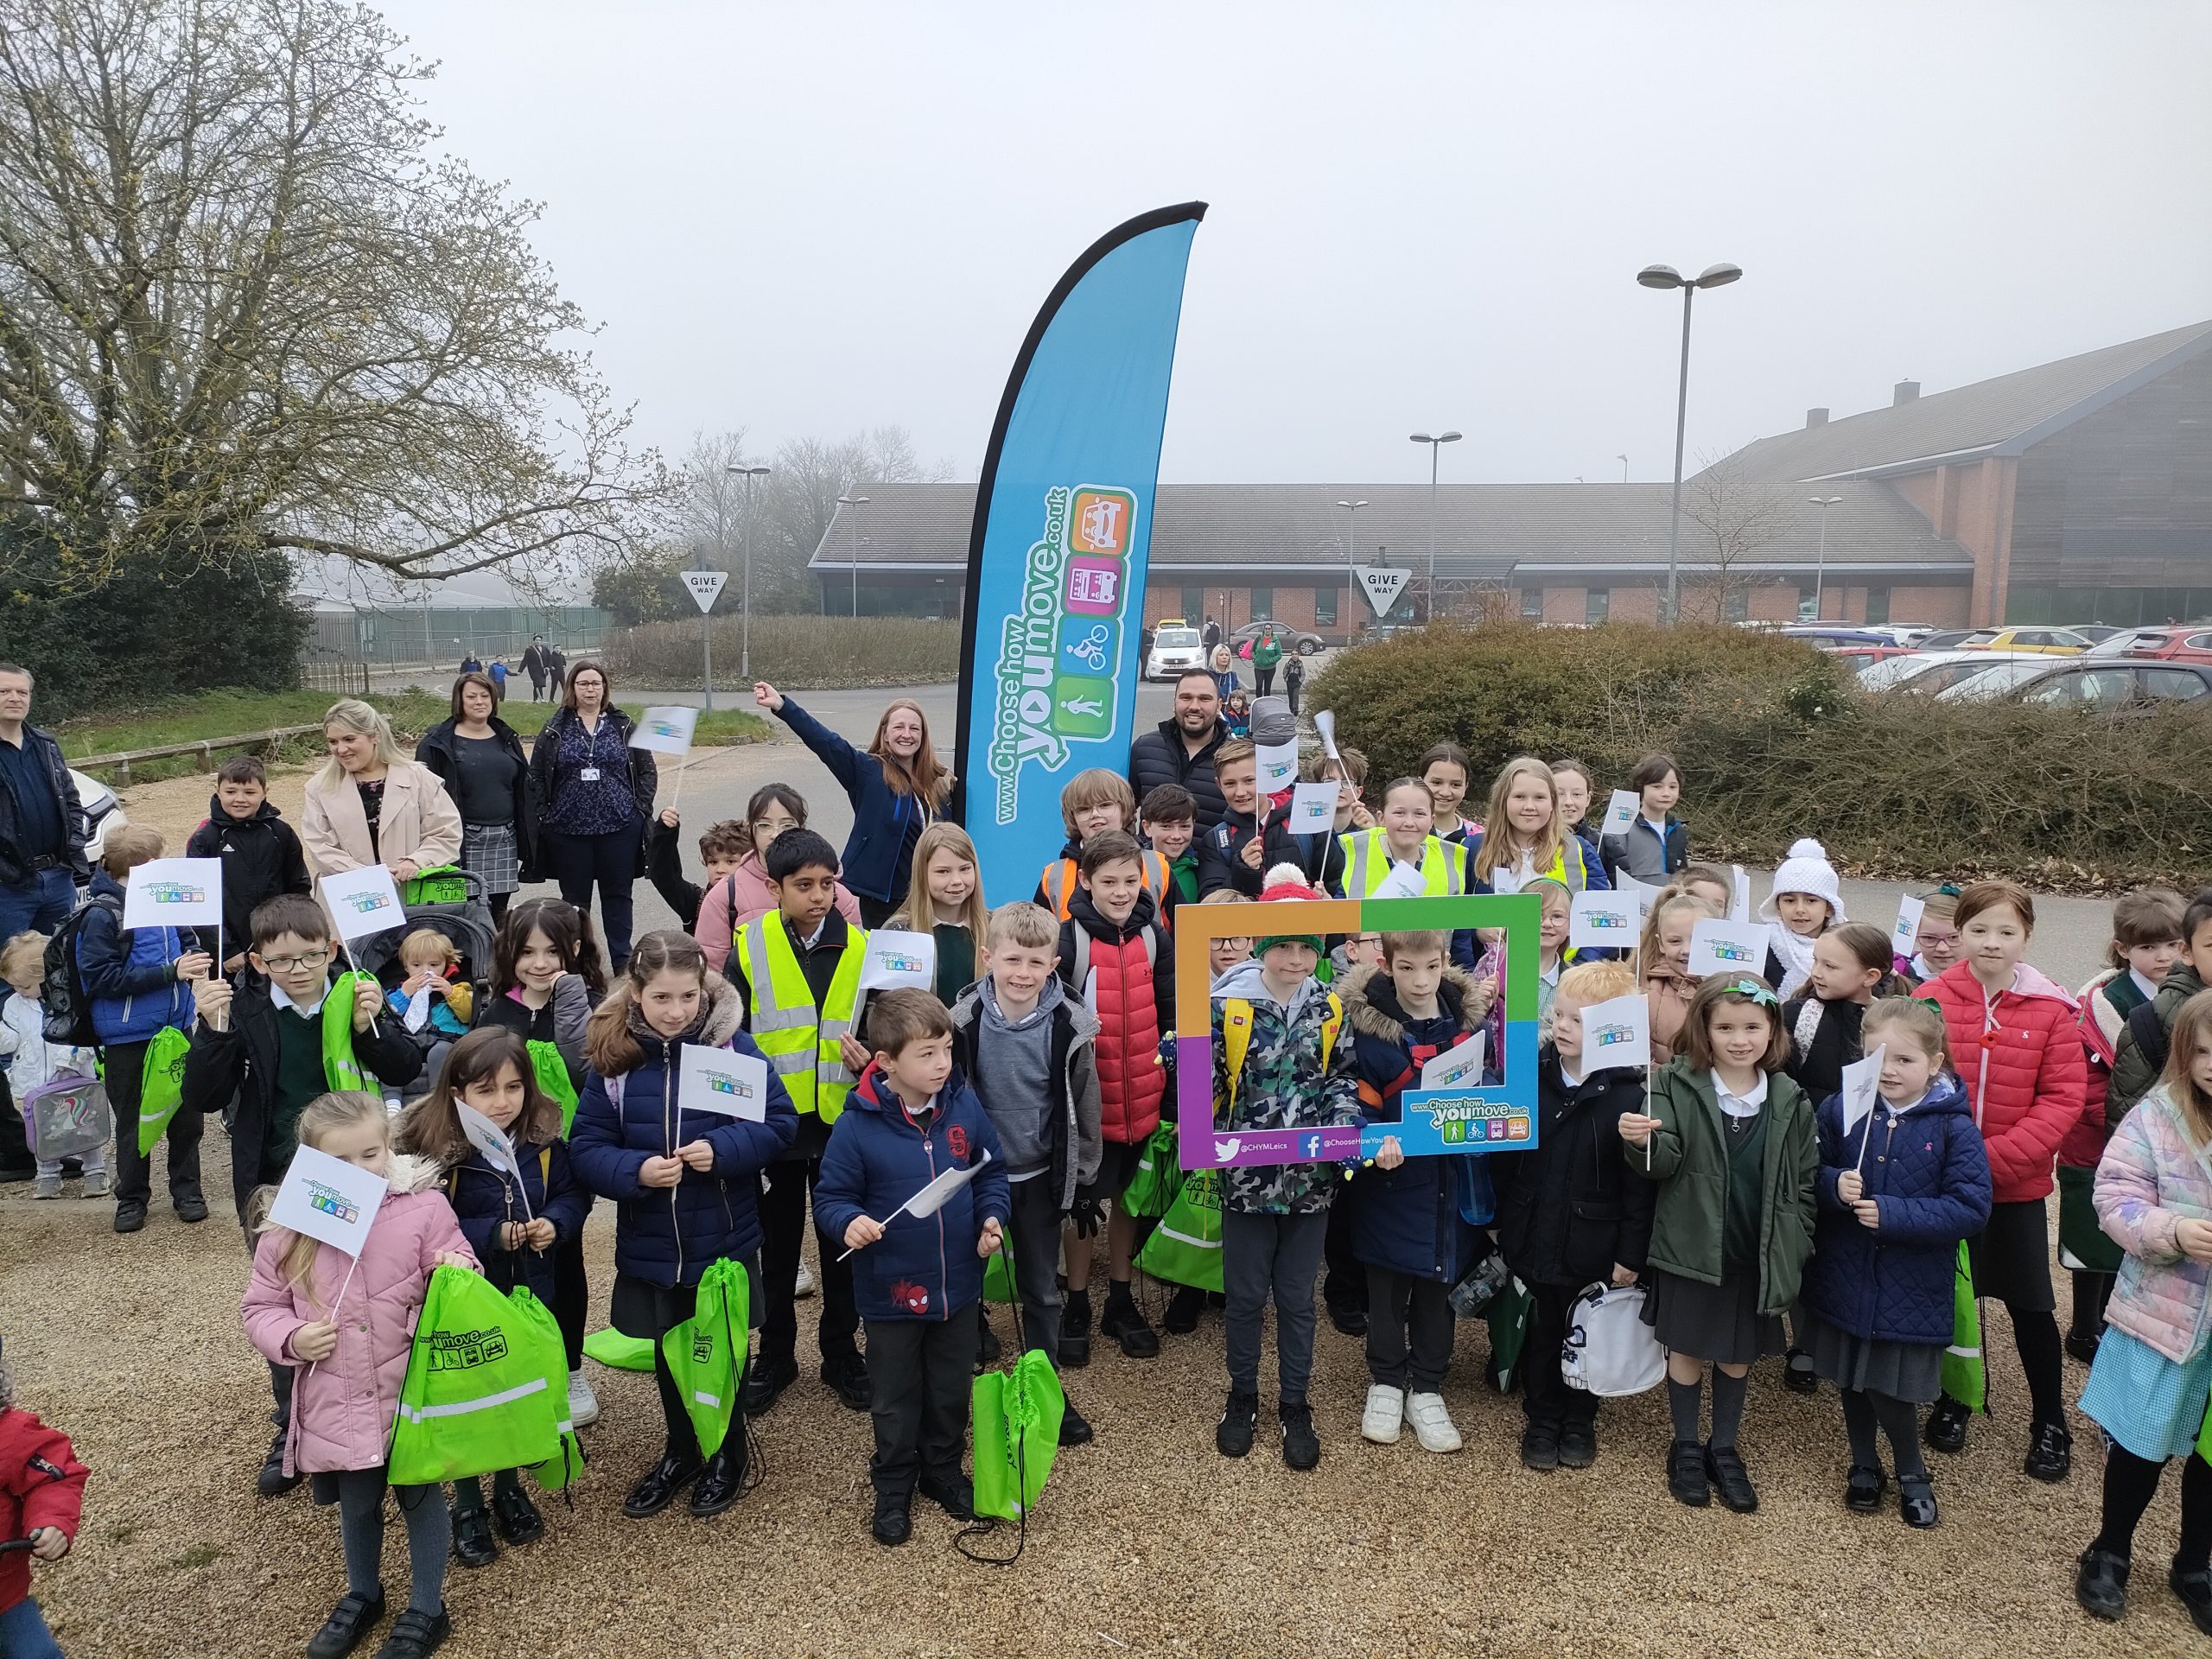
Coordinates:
1312 1146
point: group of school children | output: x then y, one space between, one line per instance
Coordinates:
1728 1183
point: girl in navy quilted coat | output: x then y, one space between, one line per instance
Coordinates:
1898 1193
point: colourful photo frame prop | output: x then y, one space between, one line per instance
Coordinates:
1464 1119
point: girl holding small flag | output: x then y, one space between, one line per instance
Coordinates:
1903 1180
512 1218
1731 1142
347 1326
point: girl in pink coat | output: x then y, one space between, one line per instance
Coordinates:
351 1359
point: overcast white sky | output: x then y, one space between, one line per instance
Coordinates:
811 217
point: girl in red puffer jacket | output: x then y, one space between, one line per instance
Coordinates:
2016 1042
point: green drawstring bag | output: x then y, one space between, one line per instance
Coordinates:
706 1353
478 1397
998 1272
553 1078
1964 1379
1017 1415
618 1352
542 1333
1185 1248
1508 1315
447 884
1152 1190
160 1085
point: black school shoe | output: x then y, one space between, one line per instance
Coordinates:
1685 1474
2195 1589
1797 1373
1125 1323
1540 1448
1916 1502
1240 1420
515 1517
1183 1310
130 1215
272 1481
1947 1426
954 1496
660 1485
1863 1488
416 1635
2102 1585
1075 1331
1301 1447
1578 1445
2082 1346
722 1482
894 1523
188 1203
472 1543
354 1617
848 1379
1075 1428
1731 1479
765 1383
2051 1453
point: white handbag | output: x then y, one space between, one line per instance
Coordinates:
1609 1350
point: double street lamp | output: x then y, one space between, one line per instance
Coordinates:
745 635
1351 582
1667 276
1435 445
1820 569
855 502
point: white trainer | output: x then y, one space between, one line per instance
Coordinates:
1385 1411
805 1285
1433 1425
583 1404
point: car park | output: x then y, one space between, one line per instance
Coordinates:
1925 670
2049 642
2182 642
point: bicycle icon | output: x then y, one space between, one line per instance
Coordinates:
1091 651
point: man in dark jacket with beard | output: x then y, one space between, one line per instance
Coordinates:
1181 750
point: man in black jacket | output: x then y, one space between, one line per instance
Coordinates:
1181 750
43 828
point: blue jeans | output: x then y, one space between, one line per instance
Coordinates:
43 902
24 1634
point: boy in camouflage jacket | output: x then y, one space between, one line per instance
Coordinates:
1295 1071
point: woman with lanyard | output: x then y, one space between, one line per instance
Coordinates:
370 804
897 788
597 793
480 761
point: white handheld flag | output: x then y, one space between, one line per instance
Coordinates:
1718 947
932 1199
363 902
175 893
487 1138
1621 808
1404 882
328 1199
724 1081
1739 906
898 960
1616 1034
1644 894
1605 920
1460 1063
1278 765
1904 937
1313 809
1862 1081
667 730
1324 724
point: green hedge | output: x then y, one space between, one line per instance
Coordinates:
1774 744
799 653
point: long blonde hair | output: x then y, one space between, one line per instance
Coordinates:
363 720
2192 1031
1649 958
1498 841
918 915
326 1115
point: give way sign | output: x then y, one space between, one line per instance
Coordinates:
704 585
1382 585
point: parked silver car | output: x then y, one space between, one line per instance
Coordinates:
102 811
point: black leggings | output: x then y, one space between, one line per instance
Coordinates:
2131 1483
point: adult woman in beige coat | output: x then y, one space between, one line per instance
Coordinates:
370 804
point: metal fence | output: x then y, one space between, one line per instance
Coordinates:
345 679
388 639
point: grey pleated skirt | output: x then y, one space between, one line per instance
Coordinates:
1716 1322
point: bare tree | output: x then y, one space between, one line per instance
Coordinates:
1730 518
245 306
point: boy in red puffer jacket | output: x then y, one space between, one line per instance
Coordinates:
1115 958
2015 1043
41 1497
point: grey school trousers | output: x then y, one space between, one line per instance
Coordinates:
1277 1256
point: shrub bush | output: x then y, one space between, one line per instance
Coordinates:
798 653
1773 744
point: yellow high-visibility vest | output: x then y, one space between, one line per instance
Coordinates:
1367 864
802 1043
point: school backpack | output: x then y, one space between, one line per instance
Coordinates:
2152 1040
1610 1351
1237 1035
61 988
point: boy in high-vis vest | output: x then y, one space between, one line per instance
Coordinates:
1094 802
297 1028
799 966
1282 1060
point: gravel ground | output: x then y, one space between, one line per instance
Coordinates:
1146 1542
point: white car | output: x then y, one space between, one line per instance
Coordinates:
1174 649
1994 683
1918 672
103 813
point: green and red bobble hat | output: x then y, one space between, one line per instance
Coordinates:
1286 881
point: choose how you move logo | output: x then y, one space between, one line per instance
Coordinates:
333 1203
461 1350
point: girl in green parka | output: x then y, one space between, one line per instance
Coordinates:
1733 1145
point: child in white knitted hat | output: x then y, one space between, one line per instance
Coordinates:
1807 902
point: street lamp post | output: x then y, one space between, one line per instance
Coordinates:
1351 582
1820 569
744 633
855 502
1667 276
1434 444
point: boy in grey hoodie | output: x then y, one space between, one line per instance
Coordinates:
1028 1051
